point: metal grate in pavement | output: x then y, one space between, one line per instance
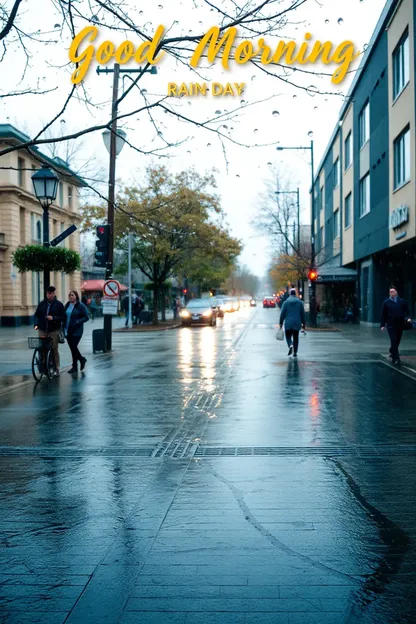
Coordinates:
325 451
35 451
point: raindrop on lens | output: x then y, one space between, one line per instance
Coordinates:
269 164
57 26
218 112
294 97
340 20
140 12
237 175
310 134
160 6
208 144
365 46
255 130
326 21
275 113
311 90
253 78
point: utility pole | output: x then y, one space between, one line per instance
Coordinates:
108 319
312 288
130 283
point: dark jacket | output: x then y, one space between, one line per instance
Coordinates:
56 310
293 313
77 319
394 313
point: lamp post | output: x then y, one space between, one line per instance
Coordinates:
45 184
312 287
114 141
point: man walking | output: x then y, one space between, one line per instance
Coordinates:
49 319
293 316
394 315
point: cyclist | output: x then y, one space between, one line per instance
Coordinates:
49 319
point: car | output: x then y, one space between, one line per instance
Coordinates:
219 306
253 303
269 302
199 311
228 304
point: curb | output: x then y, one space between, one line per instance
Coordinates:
125 330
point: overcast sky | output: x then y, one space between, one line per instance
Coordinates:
288 115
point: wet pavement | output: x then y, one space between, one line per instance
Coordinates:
200 473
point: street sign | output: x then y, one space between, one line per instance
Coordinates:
63 235
110 306
111 289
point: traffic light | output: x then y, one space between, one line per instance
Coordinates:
312 275
184 291
101 245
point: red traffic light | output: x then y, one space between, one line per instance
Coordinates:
100 229
185 291
312 275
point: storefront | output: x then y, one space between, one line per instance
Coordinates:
337 293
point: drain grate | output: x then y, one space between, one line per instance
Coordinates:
326 451
35 451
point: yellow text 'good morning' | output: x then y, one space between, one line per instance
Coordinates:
212 45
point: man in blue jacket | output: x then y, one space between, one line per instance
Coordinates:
49 319
293 316
395 315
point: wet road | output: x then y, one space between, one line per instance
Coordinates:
200 473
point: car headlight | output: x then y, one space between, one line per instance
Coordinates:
185 313
207 313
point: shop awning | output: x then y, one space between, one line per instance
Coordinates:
95 285
330 272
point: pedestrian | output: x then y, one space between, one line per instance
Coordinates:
49 319
293 316
175 307
139 307
76 315
395 315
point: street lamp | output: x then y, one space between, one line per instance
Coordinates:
45 183
120 140
312 288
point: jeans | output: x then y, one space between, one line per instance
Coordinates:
73 342
395 334
295 334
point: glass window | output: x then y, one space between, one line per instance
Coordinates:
401 65
21 172
336 224
347 211
365 195
61 194
348 151
38 232
322 237
402 158
70 191
336 173
364 122
321 203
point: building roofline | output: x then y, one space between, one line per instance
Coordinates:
383 20
7 131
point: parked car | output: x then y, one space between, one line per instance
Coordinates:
269 302
199 311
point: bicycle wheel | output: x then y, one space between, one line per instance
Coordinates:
37 365
50 364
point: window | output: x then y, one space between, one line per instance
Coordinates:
348 151
336 223
70 191
321 202
61 194
321 235
402 158
336 173
347 211
38 233
364 122
21 172
365 195
22 218
401 65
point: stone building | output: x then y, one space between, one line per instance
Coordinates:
21 224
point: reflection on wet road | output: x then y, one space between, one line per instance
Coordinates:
201 473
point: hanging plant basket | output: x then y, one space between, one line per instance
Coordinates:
37 258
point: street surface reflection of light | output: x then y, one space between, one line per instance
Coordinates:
185 351
208 354
314 405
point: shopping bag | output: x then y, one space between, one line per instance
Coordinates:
279 334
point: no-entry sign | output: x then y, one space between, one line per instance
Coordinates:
111 289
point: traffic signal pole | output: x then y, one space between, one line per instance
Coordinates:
111 200
312 287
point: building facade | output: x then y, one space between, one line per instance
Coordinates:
364 191
21 223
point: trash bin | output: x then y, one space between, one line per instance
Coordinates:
98 341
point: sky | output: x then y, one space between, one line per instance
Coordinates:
269 112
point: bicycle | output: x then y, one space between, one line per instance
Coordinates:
43 361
